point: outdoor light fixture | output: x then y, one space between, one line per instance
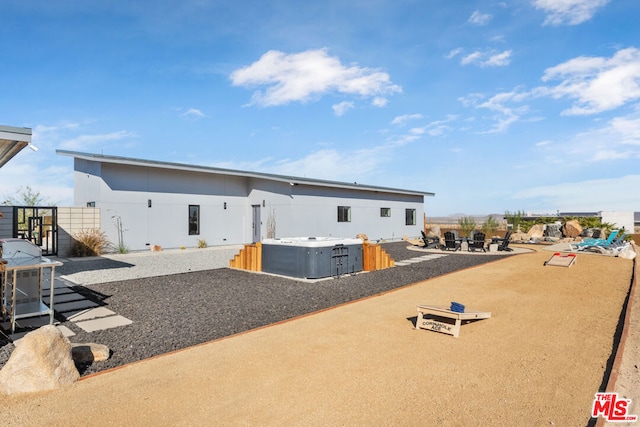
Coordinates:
225 205
33 147
263 203
149 203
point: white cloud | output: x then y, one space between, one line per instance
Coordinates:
571 12
454 52
621 194
435 128
596 83
304 76
401 140
341 108
401 120
506 115
329 164
471 58
478 18
615 140
379 101
628 129
499 60
87 141
471 100
618 139
193 113
487 58
364 164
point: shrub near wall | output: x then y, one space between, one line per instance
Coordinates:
89 243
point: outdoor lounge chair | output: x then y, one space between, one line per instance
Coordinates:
594 242
613 247
451 242
503 243
430 242
477 242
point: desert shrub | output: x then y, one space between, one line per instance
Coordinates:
202 243
467 225
89 243
526 225
490 226
594 222
122 249
515 219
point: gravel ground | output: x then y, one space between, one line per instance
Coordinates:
200 304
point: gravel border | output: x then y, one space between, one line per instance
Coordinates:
197 305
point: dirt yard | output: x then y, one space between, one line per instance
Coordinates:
538 360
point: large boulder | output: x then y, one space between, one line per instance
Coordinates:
519 237
553 230
41 361
535 232
434 231
571 228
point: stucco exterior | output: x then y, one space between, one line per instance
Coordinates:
151 200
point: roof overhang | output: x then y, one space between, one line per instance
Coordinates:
12 141
292 180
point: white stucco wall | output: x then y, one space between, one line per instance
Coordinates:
619 219
124 191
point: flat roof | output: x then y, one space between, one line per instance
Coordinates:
293 180
12 141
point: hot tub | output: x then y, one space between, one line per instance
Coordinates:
312 257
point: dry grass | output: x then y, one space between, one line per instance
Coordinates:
89 243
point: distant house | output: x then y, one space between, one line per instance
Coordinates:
146 203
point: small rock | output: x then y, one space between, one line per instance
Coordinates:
89 353
362 237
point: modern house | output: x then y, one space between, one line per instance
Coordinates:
145 203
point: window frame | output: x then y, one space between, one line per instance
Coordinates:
344 213
194 226
385 212
410 220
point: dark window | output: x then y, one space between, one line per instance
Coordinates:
91 204
344 213
410 217
385 212
194 219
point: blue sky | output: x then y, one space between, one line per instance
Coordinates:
493 105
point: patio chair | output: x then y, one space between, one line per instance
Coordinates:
451 242
594 242
503 243
477 242
430 242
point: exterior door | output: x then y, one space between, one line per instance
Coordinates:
256 223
